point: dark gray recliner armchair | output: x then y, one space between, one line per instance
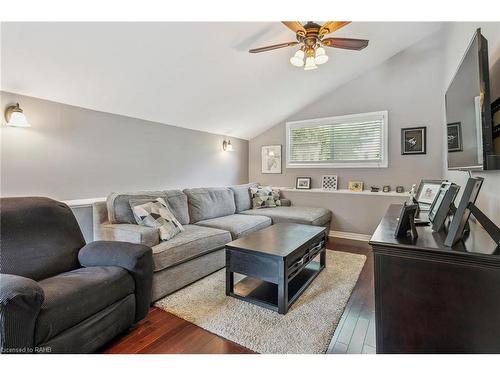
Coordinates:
58 294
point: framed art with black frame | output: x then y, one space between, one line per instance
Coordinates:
413 141
303 183
454 131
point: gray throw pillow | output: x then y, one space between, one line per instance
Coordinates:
265 197
157 214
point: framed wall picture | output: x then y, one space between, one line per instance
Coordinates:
303 183
413 141
271 159
329 182
454 137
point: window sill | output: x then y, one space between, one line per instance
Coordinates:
380 165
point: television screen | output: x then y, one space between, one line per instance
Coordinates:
495 113
468 112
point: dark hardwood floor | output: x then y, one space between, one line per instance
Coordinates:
162 332
355 332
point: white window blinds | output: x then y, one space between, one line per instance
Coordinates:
345 141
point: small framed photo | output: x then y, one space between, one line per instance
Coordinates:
406 222
303 183
356 186
427 192
413 141
271 159
454 136
329 182
440 208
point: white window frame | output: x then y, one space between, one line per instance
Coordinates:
341 119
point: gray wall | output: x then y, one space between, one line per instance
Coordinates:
408 86
457 37
72 153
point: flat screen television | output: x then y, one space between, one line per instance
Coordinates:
468 112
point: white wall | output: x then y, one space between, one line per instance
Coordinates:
457 36
408 85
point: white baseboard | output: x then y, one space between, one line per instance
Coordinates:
350 236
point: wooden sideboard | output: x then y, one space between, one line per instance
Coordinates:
434 299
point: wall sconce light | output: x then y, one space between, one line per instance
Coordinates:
15 117
227 146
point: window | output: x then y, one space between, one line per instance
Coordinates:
352 141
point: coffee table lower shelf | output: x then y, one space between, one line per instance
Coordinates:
265 294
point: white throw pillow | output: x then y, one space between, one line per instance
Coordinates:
157 214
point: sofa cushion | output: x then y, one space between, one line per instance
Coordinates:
72 297
238 225
294 214
242 197
193 242
207 203
119 211
157 215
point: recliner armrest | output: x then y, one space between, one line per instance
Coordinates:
136 259
133 233
20 302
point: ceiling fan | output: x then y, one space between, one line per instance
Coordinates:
311 39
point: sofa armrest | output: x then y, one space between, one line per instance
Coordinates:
20 302
136 259
286 202
138 234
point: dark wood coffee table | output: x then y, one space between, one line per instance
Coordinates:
278 262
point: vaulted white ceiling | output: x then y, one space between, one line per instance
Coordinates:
192 75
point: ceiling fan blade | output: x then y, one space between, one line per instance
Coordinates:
345 43
274 46
295 26
331 26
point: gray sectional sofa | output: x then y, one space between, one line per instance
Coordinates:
211 217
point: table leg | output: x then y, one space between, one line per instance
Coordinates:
229 282
322 258
282 289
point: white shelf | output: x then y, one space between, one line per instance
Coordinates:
74 203
88 201
346 191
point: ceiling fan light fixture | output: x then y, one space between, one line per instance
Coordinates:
310 63
320 56
298 59
311 38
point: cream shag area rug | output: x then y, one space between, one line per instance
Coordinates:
306 328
